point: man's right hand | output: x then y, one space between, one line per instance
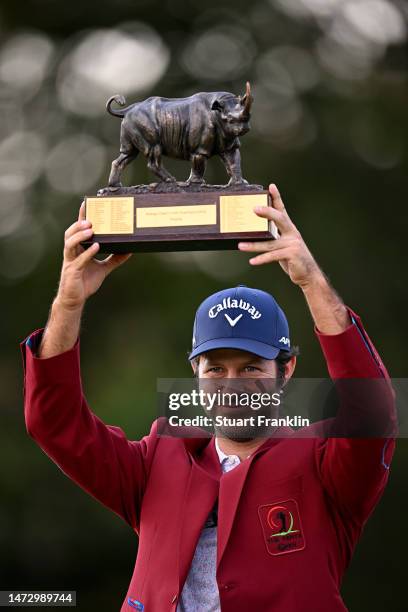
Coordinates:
81 274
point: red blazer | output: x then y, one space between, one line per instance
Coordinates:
165 487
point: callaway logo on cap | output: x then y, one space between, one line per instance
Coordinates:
241 318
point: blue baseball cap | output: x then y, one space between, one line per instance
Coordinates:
241 318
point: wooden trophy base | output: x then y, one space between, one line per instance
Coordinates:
214 219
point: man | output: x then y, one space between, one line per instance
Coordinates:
224 524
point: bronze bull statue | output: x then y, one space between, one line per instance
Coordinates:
193 128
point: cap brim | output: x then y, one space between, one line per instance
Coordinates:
252 346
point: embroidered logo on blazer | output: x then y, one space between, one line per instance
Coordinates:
281 527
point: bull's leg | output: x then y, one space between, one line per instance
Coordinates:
154 164
118 166
232 163
198 165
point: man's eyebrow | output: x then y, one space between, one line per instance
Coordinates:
257 361
211 360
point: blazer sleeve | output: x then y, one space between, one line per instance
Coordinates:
354 470
98 457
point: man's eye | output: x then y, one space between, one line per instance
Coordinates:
214 369
251 369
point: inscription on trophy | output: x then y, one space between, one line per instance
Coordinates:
237 214
111 215
176 216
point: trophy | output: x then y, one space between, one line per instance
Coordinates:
171 215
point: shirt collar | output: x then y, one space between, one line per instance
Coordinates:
221 454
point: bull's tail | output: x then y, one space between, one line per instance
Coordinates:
119 100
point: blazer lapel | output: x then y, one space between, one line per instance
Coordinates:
231 486
199 498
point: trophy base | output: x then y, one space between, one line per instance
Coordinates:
176 243
171 217
177 187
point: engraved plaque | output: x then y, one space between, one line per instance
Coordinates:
111 215
237 214
176 216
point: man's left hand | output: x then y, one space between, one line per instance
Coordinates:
289 249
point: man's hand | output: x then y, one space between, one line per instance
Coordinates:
289 249
81 274
327 309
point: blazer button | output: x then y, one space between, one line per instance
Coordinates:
174 599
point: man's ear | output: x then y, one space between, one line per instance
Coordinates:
290 367
194 365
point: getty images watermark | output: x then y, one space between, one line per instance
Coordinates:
300 407
229 409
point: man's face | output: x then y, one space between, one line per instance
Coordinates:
238 371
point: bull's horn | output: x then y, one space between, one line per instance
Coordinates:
247 99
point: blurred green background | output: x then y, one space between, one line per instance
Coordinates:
329 126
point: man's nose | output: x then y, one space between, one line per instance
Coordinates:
230 383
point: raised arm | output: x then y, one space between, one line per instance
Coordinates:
354 470
81 277
96 456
